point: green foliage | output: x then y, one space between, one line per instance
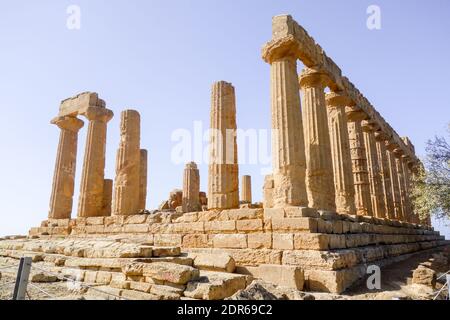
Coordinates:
431 186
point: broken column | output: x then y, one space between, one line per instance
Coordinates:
375 183
268 191
107 197
143 180
359 161
92 180
61 200
340 151
127 183
223 171
319 165
383 161
288 149
191 188
246 192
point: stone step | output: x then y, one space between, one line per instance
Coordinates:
215 285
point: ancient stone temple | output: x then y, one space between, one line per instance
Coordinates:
336 202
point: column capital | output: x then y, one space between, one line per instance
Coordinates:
368 126
355 114
68 123
191 165
98 114
338 99
310 77
284 48
381 136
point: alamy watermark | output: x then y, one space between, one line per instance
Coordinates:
73 21
374 19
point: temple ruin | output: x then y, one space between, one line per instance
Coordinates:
336 202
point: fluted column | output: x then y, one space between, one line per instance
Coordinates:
375 183
61 199
396 196
401 182
191 188
92 180
383 161
340 151
359 162
223 171
407 180
288 149
246 189
143 164
319 165
107 197
126 185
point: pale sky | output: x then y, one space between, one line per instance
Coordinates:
161 57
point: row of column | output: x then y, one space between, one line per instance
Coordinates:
97 197
327 154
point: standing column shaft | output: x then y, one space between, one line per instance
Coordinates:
126 186
394 182
246 196
359 163
385 173
340 151
191 188
401 183
288 149
223 171
407 180
319 165
92 180
61 200
143 180
375 183
107 197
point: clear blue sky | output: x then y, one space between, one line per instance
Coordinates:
160 57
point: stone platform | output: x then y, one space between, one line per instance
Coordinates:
329 251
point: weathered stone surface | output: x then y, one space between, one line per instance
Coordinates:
223 170
215 285
128 170
170 272
246 189
90 203
64 176
214 262
285 276
424 275
191 188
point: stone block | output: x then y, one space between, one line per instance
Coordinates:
253 225
259 240
214 262
170 272
294 224
283 241
274 213
166 251
195 241
215 285
285 276
220 226
233 241
311 241
299 212
168 240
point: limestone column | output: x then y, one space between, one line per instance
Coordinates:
143 180
383 161
319 164
401 182
340 151
127 183
375 183
61 200
246 189
396 196
107 197
407 181
191 188
92 180
359 162
288 149
223 171
268 191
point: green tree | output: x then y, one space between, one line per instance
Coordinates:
431 184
